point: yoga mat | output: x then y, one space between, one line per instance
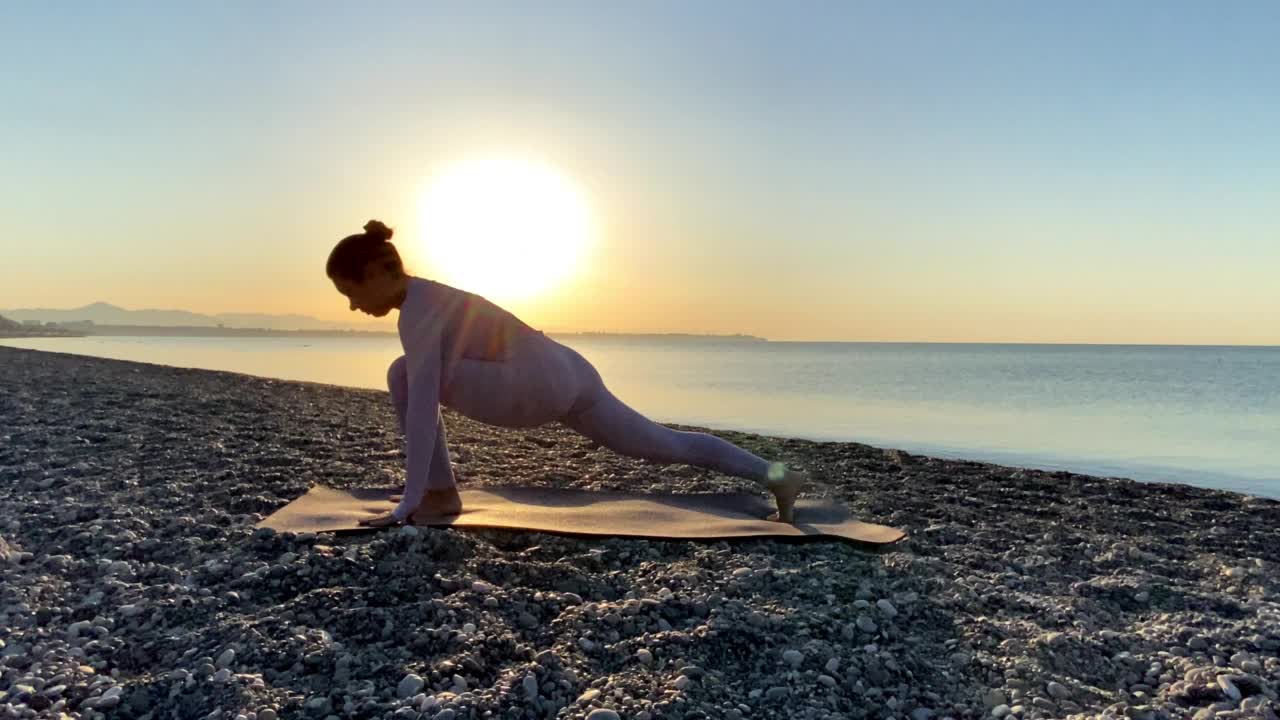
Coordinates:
660 516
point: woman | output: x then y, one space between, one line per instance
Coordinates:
466 353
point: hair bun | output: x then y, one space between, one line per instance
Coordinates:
378 231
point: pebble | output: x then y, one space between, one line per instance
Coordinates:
827 680
1057 690
588 696
603 714
866 624
777 692
644 656
530 684
410 686
1229 688
227 657
1000 711
887 608
832 665
793 658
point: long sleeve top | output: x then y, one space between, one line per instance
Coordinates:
440 325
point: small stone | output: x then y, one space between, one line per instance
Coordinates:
222 676
227 657
866 624
1057 690
588 696
445 714
1000 711
602 714
776 692
793 658
741 572
644 656
887 608
530 684
827 680
1199 642
996 697
267 714
469 628
586 644
1229 688
411 685
409 531
832 665
481 586
682 682
921 714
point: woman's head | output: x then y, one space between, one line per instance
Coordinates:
367 269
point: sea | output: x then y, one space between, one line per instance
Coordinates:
1202 415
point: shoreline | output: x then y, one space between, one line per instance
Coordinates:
1244 479
136 584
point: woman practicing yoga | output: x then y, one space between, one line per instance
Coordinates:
466 353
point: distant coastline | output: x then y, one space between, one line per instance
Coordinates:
86 329
12 329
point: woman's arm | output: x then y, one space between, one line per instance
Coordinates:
421 422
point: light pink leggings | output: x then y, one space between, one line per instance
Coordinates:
553 383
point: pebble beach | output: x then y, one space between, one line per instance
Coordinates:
136 584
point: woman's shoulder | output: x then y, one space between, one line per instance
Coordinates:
424 300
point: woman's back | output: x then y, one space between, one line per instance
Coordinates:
471 326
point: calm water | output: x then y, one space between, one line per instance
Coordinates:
1201 415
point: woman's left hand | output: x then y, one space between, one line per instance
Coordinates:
383 520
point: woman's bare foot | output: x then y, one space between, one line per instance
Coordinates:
437 504
785 489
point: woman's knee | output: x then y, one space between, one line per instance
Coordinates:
398 377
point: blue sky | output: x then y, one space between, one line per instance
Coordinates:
1095 172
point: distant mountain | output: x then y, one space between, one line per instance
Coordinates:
101 313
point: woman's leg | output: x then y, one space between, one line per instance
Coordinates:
607 420
625 431
442 493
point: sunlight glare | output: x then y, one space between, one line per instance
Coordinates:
504 228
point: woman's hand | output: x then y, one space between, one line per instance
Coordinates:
383 520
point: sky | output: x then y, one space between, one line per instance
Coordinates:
909 171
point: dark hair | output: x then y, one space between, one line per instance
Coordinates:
353 254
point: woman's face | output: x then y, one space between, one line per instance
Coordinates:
376 295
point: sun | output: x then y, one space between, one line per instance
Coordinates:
505 228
